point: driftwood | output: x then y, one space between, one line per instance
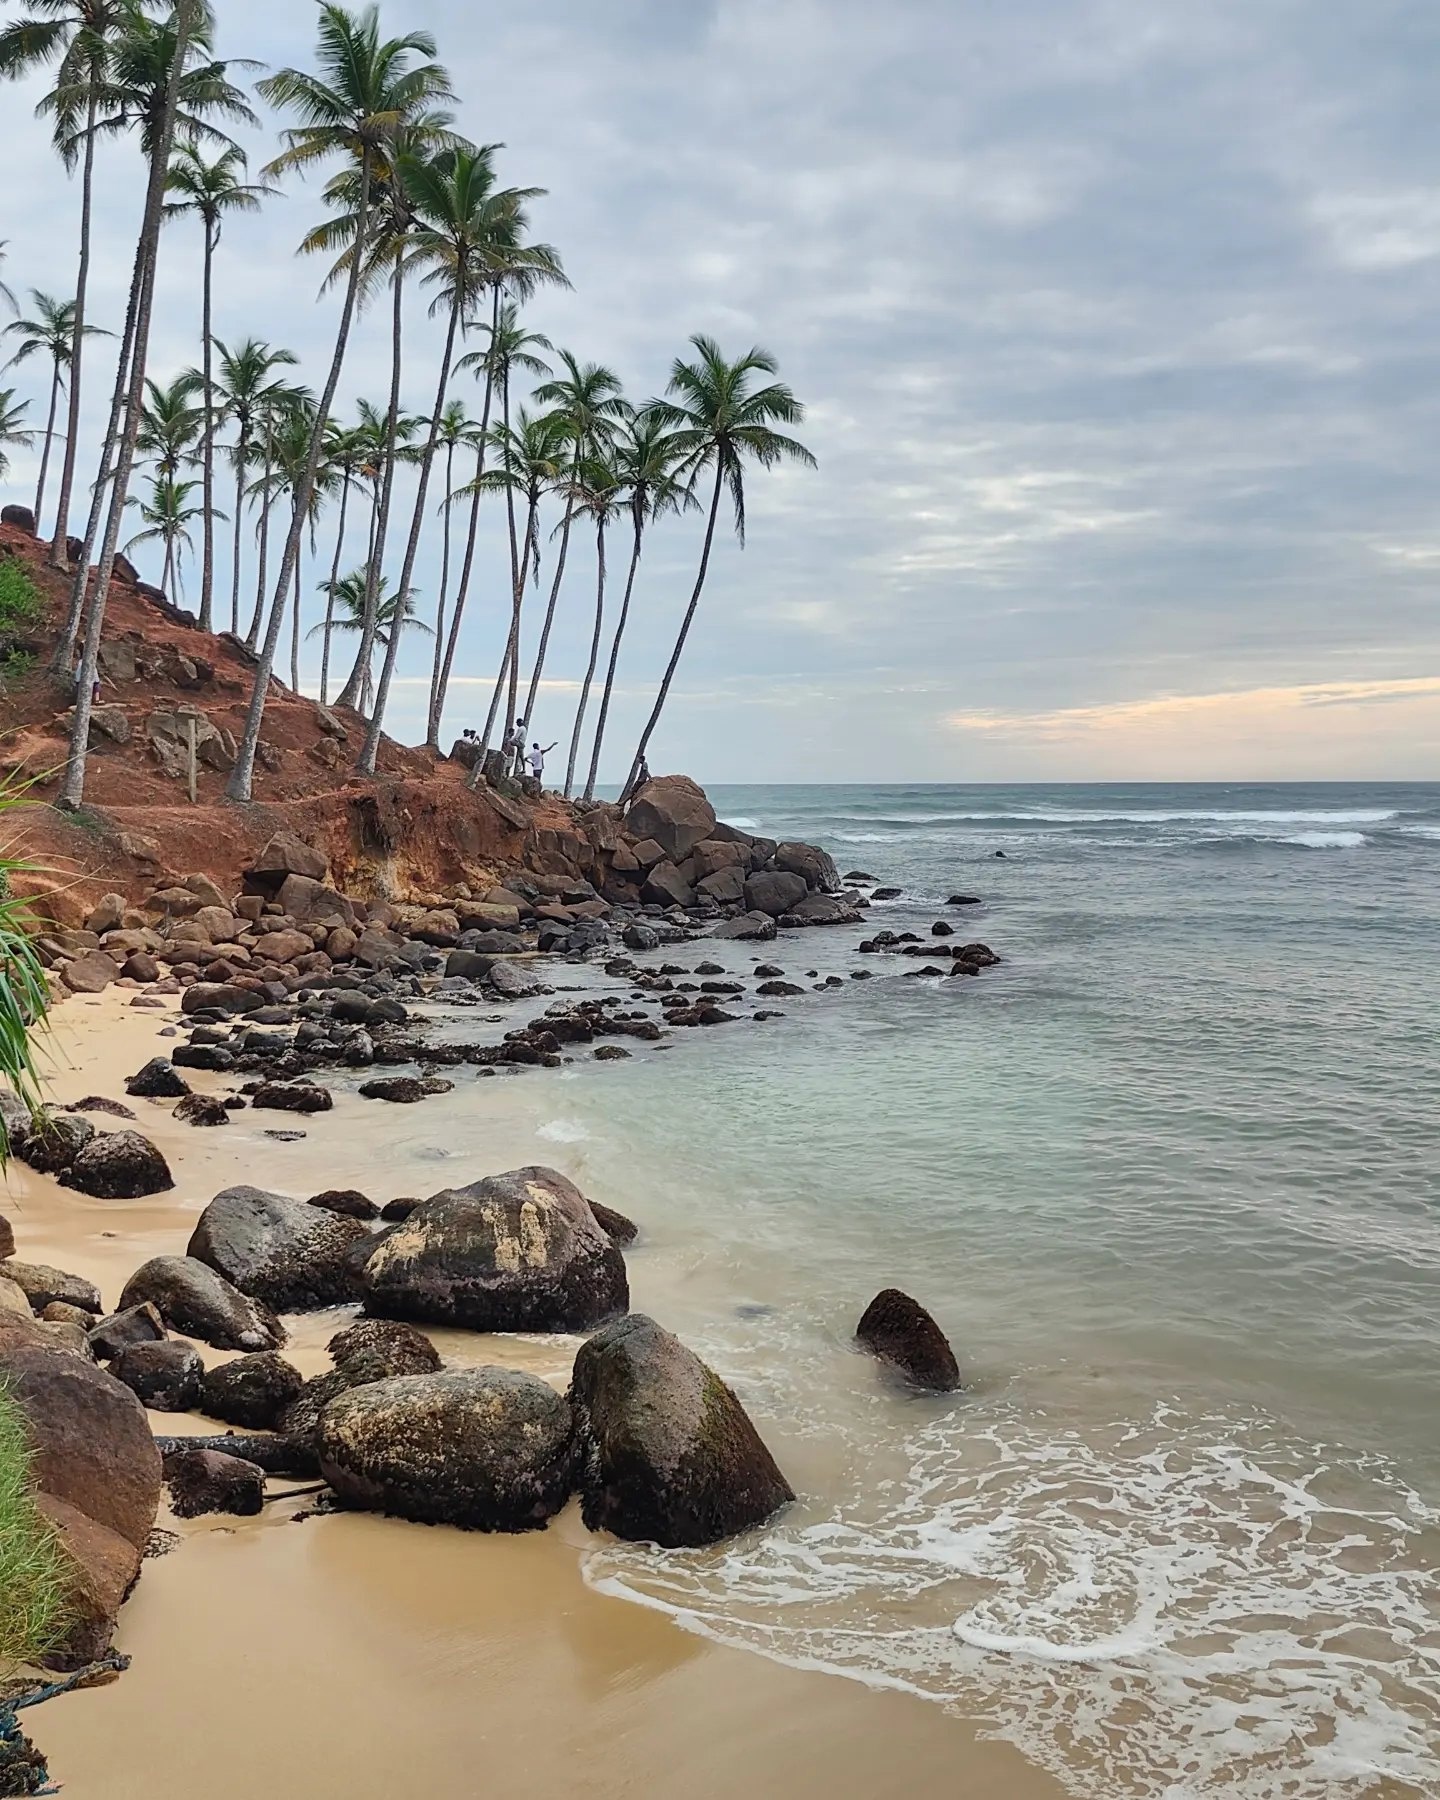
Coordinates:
275 1455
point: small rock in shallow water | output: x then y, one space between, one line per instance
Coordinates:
158 1080
202 1109
348 1201
900 1332
207 1481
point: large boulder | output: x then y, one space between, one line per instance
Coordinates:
378 1349
774 892
119 1165
666 886
43 1286
191 1298
294 1257
900 1332
750 928
488 1449
166 1377
250 1392
671 811
52 1141
516 1252
671 1456
284 855
812 864
219 996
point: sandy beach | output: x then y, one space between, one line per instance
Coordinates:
354 1656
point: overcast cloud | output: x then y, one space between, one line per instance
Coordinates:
1116 322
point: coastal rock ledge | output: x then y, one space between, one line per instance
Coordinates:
517 1252
671 1456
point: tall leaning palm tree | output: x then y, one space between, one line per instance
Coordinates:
209 191
587 399
153 81
461 221
244 384
602 501
648 463
50 333
365 89
80 36
721 420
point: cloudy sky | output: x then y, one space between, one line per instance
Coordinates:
1116 321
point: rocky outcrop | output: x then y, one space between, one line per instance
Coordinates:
672 812
516 1252
191 1298
900 1332
671 1456
487 1449
294 1257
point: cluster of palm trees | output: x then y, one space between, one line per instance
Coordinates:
410 203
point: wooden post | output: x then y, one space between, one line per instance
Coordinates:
190 751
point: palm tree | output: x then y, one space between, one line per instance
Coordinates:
461 221
13 429
277 407
51 331
244 387
168 516
367 87
721 419
159 80
81 36
457 431
588 401
530 458
511 347
345 459
169 425
602 499
210 190
347 599
648 462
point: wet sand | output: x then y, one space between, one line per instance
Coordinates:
362 1657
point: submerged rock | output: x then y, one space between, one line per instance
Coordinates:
671 1456
488 1449
900 1332
516 1252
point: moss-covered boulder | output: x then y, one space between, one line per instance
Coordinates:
488 1449
294 1257
670 1455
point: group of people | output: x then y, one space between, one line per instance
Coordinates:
517 756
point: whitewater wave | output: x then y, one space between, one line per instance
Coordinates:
1328 840
1140 816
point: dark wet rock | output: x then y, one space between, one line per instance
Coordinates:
191 1298
202 1109
615 1225
964 900
294 1257
640 937
200 1482
861 876
611 1053
295 1097
136 1325
887 893
219 996
941 929
119 1165
212 1057
774 892
778 990
401 1090
381 1349
251 1392
158 1080
512 982
821 909
487 1449
750 927
394 1211
516 1252
52 1141
98 1103
900 1332
346 1201
42 1286
671 1456
165 1377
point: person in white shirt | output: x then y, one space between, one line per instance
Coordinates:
537 760
514 748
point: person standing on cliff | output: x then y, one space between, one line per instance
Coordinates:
537 760
514 748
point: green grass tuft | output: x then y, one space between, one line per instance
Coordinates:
20 604
34 1580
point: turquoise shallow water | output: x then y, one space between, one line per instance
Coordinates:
1170 1178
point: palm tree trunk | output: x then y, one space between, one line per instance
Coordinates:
371 749
614 659
80 576
432 722
594 655
49 439
295 633
72 793
207 572
550 610
509 662
242 450
685 625
387 488
242 775
330 592
252 636
440 686
59 551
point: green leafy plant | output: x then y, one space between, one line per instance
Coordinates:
19 597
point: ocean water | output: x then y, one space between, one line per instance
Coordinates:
1170 1179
